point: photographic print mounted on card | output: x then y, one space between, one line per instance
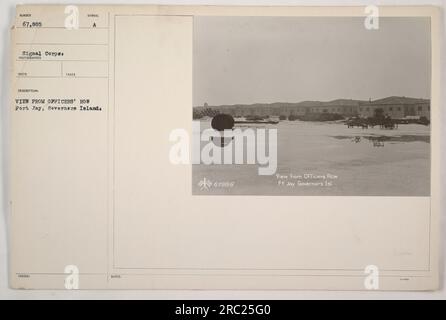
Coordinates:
319 106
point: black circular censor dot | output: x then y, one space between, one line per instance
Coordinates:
222 122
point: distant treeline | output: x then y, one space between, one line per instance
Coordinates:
206 112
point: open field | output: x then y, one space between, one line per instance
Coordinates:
316 158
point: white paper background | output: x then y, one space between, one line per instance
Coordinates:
7 10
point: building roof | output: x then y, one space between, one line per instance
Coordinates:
397 100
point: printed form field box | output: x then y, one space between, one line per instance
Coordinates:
65 52
44 69
62 36
84 69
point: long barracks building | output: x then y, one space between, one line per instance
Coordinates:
394 107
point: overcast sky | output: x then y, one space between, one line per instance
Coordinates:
291 59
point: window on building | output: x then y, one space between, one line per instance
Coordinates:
390 108
420 108
399 108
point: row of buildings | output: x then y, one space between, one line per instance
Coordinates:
394 107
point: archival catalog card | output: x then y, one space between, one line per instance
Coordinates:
190 147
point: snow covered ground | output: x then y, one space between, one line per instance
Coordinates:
316 158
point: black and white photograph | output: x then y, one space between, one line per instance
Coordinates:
334 107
